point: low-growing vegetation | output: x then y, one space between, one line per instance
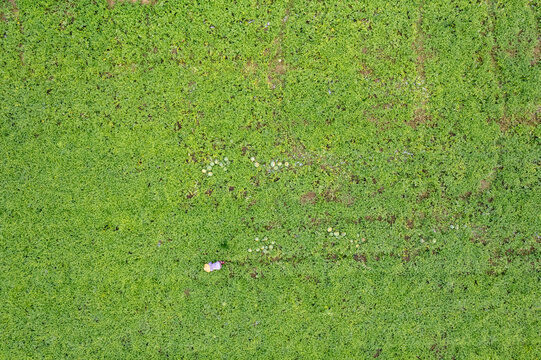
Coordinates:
367 171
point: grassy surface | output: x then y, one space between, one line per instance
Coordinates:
410 127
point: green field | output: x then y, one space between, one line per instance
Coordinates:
368 171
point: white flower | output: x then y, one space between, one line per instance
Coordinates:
221 164
211 163
272 163
262 247
343 234
276 168
257 250
204 171
249 250
270 247
280 164
256 239
434 241
210 173
226 159
252 159
336 233
272 242
256 164
286 163
209 168
329 229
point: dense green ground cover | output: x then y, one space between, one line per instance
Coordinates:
409 128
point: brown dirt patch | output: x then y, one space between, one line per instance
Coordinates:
14 7
419 116
407 256
308 198
479 234
249 68
365 71
276 72
512 52
424 195
256 274
531 119
484 185
410 224
280 68
536 117
3 17
536 53
466 196
360 258
347 199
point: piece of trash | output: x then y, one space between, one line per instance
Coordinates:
213 266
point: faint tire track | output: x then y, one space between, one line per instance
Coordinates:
15 11
420 114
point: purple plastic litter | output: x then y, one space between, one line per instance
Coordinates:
213 266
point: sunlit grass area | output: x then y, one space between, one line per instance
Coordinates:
368 172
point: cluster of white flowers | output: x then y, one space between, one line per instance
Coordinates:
335 233
222 164
339 235
264 248
273 165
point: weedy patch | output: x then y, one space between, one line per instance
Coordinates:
364 171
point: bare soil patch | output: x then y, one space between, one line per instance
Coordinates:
250 68
484 185
532 119
308 198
